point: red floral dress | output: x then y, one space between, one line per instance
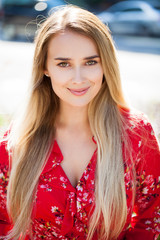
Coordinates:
62 211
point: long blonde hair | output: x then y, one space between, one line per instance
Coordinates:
32 137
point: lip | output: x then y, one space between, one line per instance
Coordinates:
78 92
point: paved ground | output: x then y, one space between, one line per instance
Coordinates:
140 78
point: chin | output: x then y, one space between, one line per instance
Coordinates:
79 104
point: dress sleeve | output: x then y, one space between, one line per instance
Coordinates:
146 218
5 225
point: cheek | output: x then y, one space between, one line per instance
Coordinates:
97 76
57 88
58 79
57 75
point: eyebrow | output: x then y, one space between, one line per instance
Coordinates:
67 59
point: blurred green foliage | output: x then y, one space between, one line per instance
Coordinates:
1 120
4 123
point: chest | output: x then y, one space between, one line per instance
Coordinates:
64 209
76 158
60 208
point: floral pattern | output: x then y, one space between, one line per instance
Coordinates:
62 211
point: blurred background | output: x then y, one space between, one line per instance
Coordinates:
135 28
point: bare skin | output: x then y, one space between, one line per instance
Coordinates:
74 138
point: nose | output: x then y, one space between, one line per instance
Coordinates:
78 77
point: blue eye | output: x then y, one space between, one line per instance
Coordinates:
91 62
63 64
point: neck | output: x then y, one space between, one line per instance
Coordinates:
72 117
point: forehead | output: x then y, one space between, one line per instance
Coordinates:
71 44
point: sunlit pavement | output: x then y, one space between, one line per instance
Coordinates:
139 71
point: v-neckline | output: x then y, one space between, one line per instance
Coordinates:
63 171
80 180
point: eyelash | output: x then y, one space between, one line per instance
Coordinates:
91 62
66 64
61 64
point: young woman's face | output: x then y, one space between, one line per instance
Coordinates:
74 67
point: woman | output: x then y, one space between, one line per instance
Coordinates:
79 162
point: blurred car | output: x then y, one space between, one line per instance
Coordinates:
20 18
132 17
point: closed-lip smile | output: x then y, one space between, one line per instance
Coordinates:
79 91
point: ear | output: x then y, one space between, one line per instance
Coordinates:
46 73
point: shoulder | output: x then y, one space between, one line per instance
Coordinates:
4 178
145 145
134 117
138 124
4 153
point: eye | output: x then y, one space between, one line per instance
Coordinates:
63 64
91 62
